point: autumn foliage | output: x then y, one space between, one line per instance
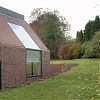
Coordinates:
69 51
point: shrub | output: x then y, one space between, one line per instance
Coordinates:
91 49
69 51
87 49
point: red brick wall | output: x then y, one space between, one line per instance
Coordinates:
13 66
0 51
45 63
52 69
58 68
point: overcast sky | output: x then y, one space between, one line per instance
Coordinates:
77 12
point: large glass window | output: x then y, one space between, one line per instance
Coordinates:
33 52
33 60
23 36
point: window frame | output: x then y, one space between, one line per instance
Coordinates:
27 48
30 43
32 67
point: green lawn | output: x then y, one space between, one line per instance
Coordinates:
80 83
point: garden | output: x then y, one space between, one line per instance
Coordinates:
79 83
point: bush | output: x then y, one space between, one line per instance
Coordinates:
69 51
87 50
91 49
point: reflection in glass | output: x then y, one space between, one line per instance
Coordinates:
23 36
33 53
33 61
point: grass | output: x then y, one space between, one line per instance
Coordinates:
80 83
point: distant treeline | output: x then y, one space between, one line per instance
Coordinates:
53 31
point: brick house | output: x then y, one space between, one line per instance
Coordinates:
22 54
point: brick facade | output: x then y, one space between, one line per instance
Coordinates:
59 68
45 63
13 71
13 66
13 60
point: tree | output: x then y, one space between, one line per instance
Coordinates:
90 28
87 49
89 31
51 28
91 48
79 37
70 50
97 24
96 44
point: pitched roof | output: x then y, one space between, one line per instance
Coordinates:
7 35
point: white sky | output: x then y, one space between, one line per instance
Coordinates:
77 12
